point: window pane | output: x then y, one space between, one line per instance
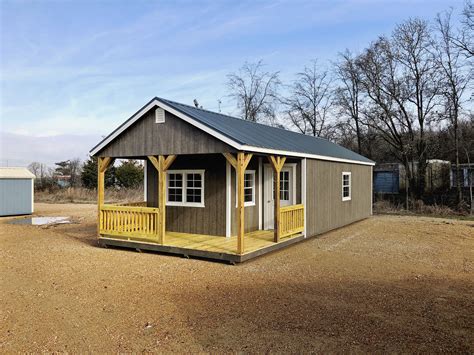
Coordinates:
175 182
248 195
175 195
346 191
345 179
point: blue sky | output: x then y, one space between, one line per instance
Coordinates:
77 69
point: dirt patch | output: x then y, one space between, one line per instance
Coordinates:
386 284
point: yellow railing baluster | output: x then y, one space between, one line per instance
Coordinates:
291 220
131 221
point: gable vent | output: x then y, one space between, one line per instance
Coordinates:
159 115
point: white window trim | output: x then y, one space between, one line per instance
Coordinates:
184 203
347 198
249 203
290 168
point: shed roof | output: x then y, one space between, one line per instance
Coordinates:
247 135
16 173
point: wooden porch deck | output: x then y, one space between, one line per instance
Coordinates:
207 246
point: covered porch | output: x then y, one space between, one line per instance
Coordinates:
144 225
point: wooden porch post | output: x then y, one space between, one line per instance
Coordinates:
240 164
162 164
102 165
277 164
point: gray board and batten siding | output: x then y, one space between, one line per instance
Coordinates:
325 209
174 136
210 219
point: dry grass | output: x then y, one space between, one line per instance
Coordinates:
83 195
418 208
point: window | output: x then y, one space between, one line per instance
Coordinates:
185 188
346 186
284 185
249 188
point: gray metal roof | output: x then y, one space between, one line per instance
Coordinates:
263 136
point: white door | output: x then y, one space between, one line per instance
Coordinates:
287 191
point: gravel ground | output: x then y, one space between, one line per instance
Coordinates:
385 284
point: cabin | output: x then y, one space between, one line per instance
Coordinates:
223 188
16 191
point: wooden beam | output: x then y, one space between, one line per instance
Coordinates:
102 165
168 161
231 159
105 163
282 162
240 173
247 160
277 164
273 161
161 164
154 161
161 197
240 164
276 208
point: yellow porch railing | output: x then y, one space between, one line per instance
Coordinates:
129 221
135 204
291 220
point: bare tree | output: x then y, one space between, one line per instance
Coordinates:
386 97
35 168
464 39
75 168
456 77
310 101
348 94
42 173
255 91
412 49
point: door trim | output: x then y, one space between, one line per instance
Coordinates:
267 167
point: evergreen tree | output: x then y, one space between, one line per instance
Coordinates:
129 174
89 174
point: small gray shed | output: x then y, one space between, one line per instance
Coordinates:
16 191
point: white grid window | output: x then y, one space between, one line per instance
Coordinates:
185 188
346 186
175 187
249 188
284 185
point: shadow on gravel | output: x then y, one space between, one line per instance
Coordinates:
410 316
84 233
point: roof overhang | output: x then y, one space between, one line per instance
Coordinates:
155 102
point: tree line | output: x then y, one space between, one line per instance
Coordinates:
74 173
407 97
